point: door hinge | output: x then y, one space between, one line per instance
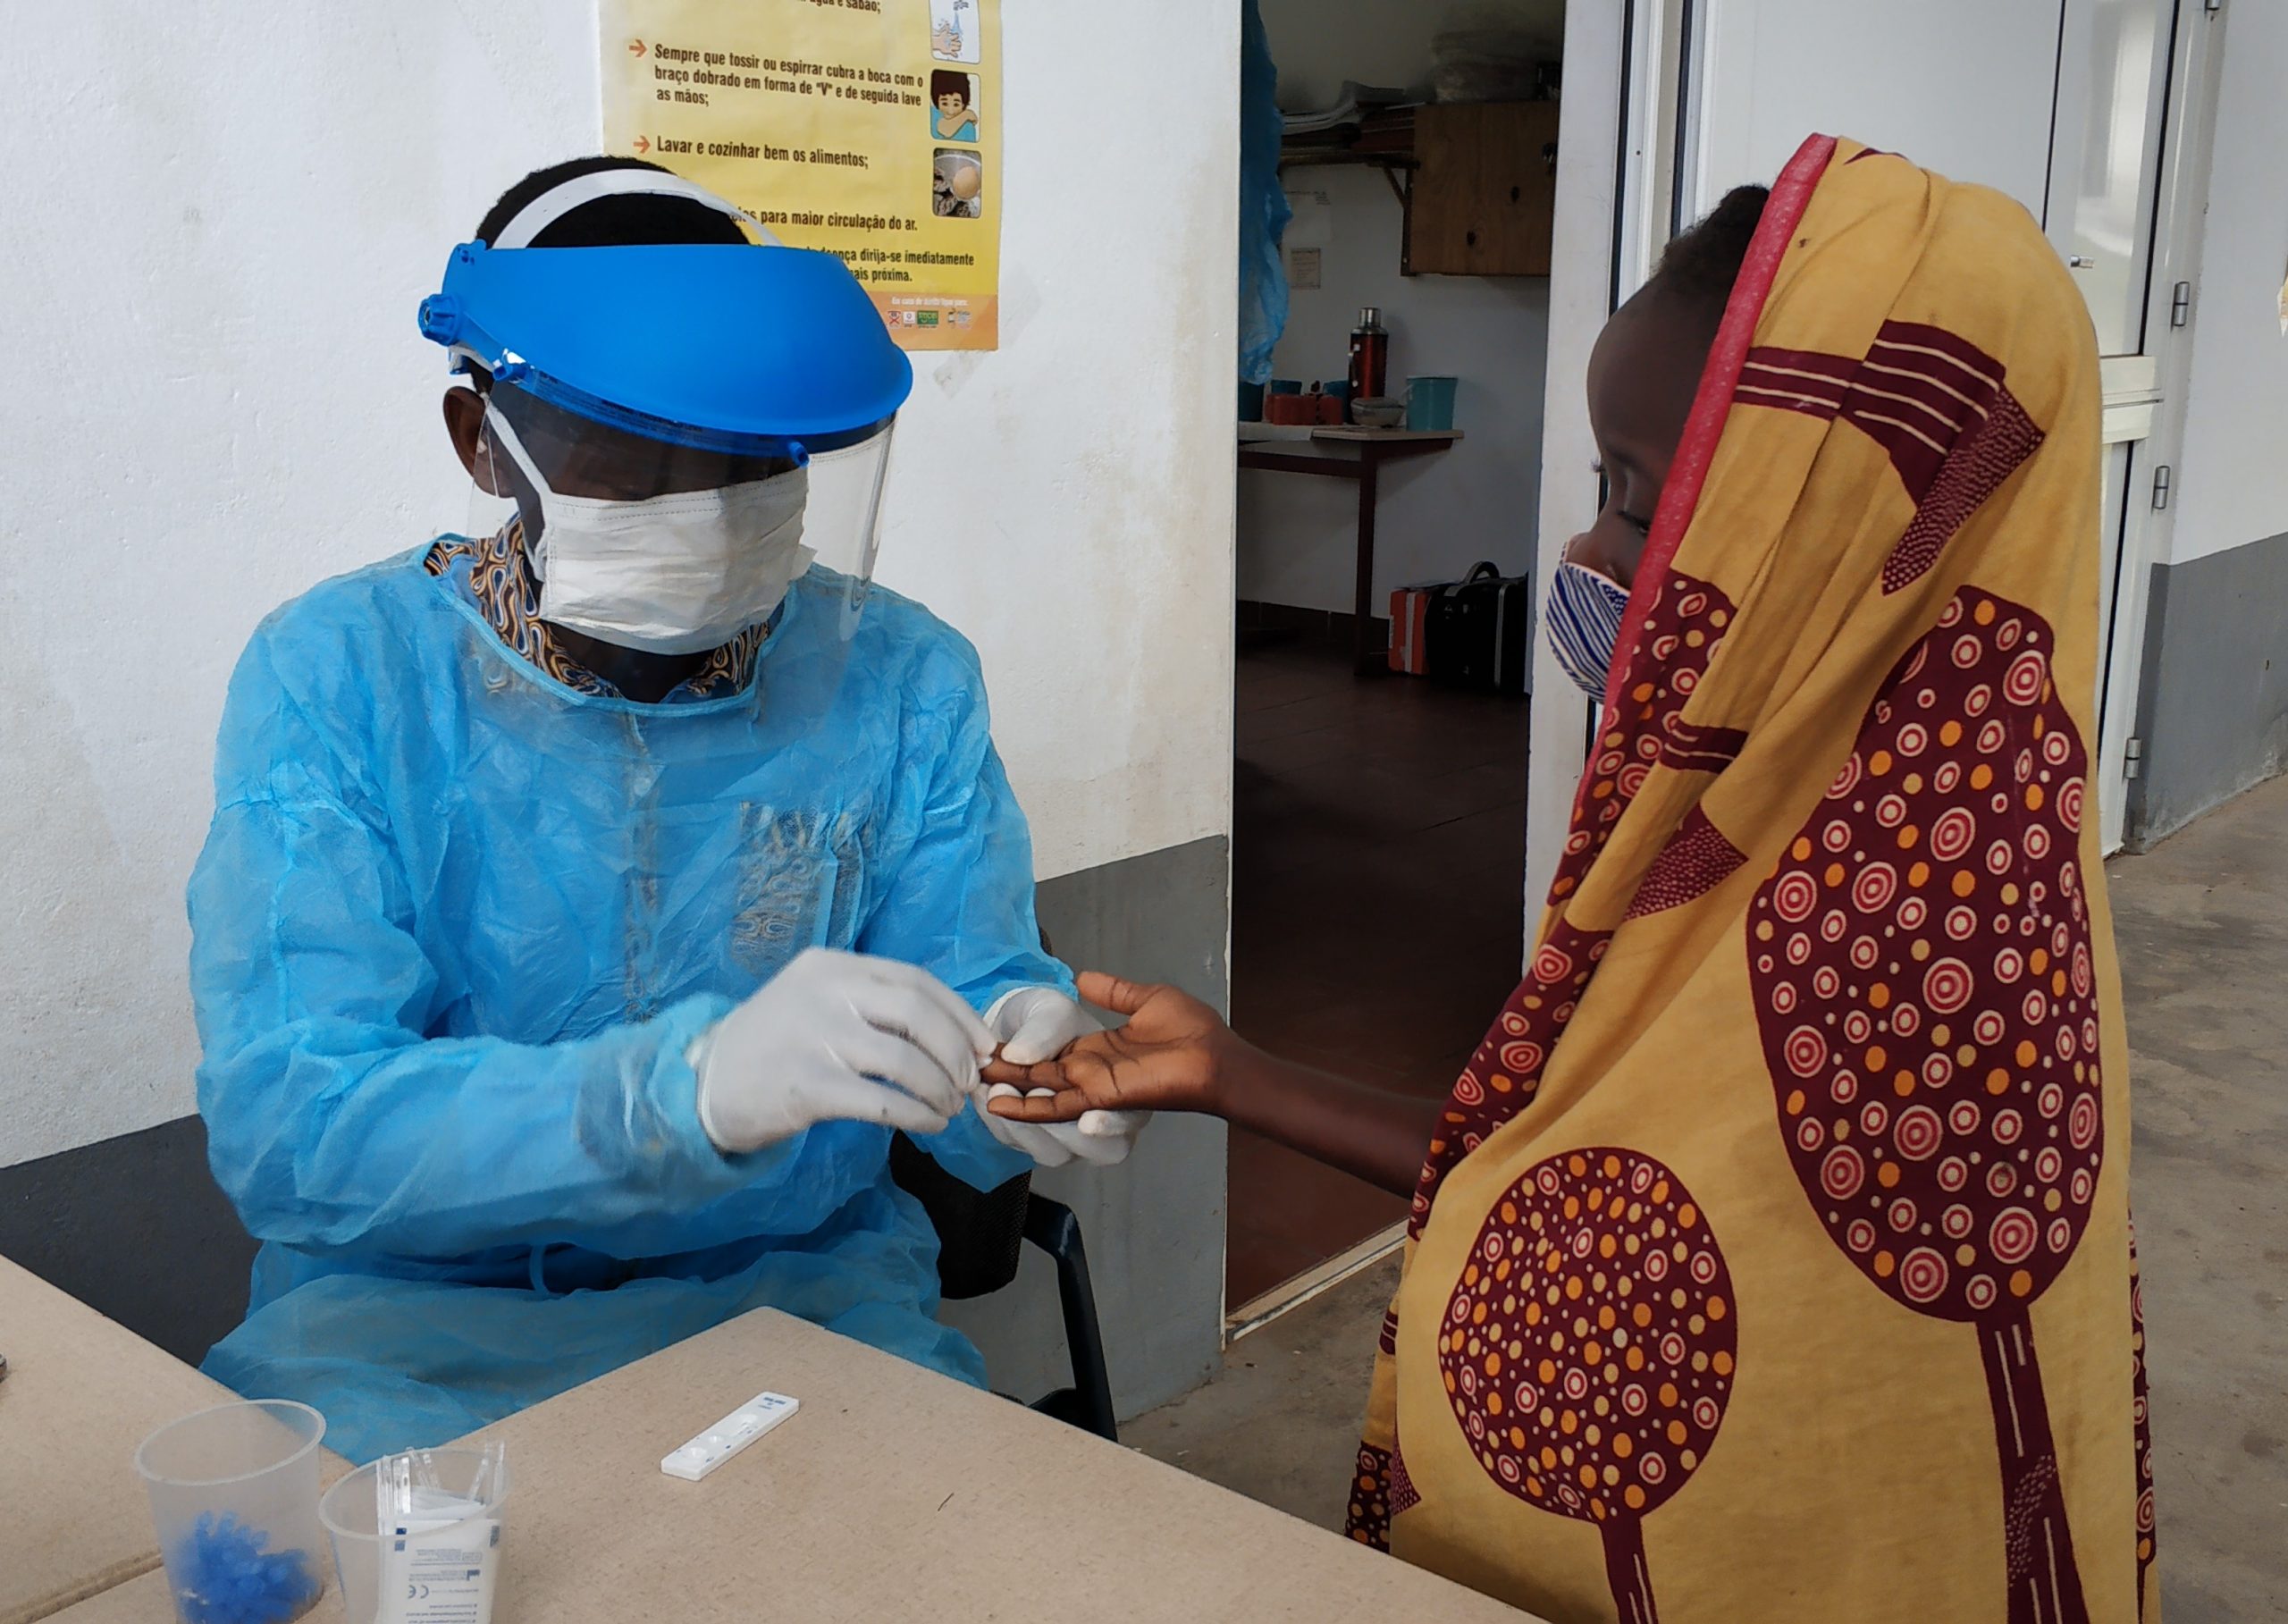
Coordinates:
2132 758
2181 305
2213 7
2163 477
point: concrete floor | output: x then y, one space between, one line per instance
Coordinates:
2202 925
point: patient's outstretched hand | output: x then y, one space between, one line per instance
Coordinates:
1169 1057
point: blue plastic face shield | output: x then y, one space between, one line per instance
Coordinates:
582 457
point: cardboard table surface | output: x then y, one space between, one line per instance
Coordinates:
82 1392
895 1494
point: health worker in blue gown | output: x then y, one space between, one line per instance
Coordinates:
591 896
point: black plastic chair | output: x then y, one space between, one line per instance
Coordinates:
981 1235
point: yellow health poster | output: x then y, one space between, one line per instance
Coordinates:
869 127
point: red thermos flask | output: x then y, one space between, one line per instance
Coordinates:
1370 355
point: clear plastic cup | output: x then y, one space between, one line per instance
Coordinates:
348 1512
234 1498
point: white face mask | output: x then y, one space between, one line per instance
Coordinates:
669 575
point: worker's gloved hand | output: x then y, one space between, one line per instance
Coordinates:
837 1037
1038 1024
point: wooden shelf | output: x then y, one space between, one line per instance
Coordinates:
1476 181
1383 138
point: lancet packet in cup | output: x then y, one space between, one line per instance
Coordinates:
416 1536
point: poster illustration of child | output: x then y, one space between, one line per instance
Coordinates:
953 30
953 106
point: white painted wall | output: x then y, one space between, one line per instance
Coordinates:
1960 86
215 396
2232 480
1440 514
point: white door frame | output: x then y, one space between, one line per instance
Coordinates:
1611 224
2155 422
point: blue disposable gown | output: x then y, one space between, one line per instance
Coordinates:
455 925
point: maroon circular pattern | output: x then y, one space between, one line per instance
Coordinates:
1922 1277
1504 1073
1957 993
2069 804
2012 1235
1919 1133
1948 985
1951 834
1588 1349
1685 625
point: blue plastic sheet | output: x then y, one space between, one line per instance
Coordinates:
1264 209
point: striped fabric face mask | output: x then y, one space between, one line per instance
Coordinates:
1583 623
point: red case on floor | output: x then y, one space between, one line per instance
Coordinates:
1410 620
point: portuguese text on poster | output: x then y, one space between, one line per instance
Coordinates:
867 128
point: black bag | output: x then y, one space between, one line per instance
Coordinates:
1478 632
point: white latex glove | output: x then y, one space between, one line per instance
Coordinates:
1038 1024
837 1037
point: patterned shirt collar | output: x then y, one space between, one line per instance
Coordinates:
500 581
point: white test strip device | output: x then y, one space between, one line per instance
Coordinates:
728 1437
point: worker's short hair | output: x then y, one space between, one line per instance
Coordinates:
619 221
945 82
1704 262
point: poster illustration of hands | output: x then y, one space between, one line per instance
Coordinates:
870 129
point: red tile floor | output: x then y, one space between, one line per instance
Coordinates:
1378 857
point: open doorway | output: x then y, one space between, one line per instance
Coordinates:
1379 821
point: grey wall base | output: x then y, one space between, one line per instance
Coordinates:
2213 702
1155 1226
135 1227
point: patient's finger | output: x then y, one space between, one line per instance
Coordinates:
1044 1074
1043 1107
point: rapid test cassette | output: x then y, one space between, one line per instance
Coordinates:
729 1435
